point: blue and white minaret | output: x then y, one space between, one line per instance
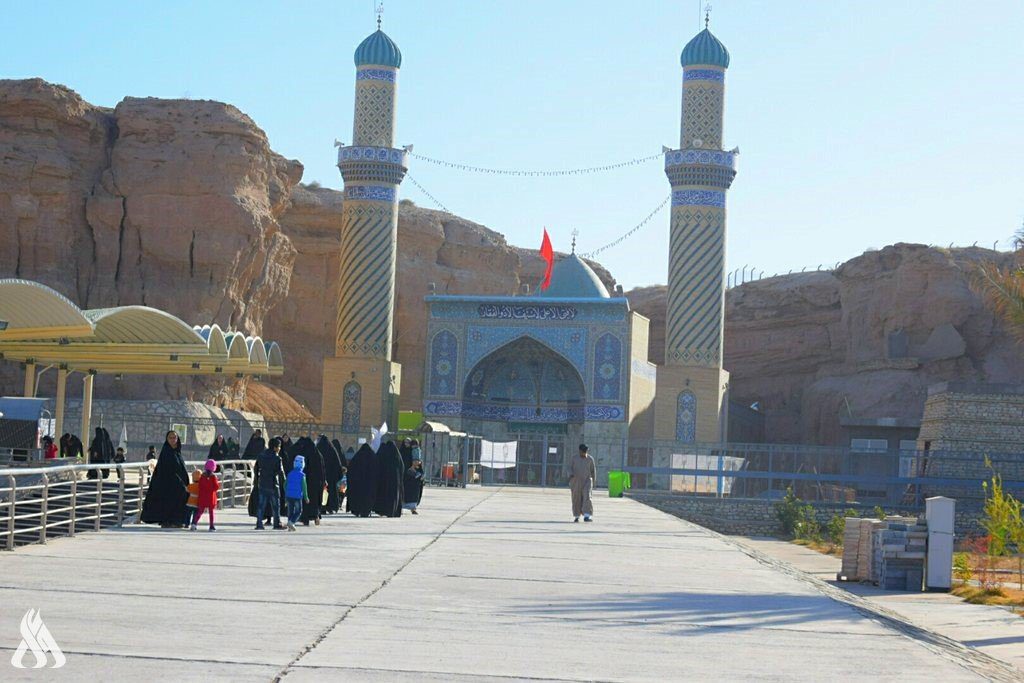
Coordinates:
362 383
692 385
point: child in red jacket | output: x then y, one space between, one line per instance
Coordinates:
208 487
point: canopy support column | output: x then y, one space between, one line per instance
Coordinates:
86 409
62 384
30 378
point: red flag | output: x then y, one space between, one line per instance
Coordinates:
548 254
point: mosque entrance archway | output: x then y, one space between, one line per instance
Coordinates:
527 393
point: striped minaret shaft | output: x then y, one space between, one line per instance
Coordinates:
372 170
700 173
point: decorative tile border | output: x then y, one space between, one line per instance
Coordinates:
703 75
503 413
374 193
385 154
568 342
679 157
376 74
698 198
507 312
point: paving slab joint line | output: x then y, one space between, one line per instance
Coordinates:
971 659
320 638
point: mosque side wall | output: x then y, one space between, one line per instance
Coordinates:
642 380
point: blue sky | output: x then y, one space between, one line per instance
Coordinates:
859 124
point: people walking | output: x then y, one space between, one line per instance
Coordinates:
192 505
269 478
208 487
332 472
390 480
414 481
166 497
296 491
314 468
582 477
362 482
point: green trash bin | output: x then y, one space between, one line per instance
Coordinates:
618 481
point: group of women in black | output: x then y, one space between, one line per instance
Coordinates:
383 482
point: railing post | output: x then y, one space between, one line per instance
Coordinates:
143 478
12 484
43 505
120 495
234 473
99 499
74 503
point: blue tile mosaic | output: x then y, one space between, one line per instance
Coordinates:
444 360
686 417
703 75
698 198
351 407
372 74
356 153
471 308
704 157
481 411
607 368
568 342
371 192
513 312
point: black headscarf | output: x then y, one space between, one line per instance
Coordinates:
362 482
406 450
390 481
314 477
219 449
255 446
101 451
166 497
332 472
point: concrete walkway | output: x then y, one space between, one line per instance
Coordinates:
485 584
993 630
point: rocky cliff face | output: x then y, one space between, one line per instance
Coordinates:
168 203
865 340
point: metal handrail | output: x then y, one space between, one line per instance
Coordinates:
63 502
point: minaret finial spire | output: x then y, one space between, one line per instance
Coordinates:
707 14
380 12
575 234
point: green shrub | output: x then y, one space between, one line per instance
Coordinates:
879 512
962 567
807 527
788 512
836 527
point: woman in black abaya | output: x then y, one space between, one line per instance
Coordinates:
100 451
362 482
390 481
314 479
166 497
332 472
256 445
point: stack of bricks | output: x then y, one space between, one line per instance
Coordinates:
857 549
899 550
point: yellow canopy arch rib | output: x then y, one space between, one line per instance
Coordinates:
258 362
30 310
274 358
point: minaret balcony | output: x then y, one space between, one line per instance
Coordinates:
702 167
374 164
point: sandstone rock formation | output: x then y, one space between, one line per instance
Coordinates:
168 203
865 340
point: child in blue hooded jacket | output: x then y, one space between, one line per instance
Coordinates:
295 491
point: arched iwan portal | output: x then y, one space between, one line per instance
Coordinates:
524 380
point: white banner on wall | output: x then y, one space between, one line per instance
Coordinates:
498 455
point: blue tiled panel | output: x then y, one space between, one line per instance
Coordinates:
351 407
607 368
444 360
698 198
569 342
375 193
686 417
481 411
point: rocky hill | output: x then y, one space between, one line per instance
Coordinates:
865 340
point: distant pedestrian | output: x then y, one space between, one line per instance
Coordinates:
49 448
414 481
166 496
295 490
119 457
582 476
208 487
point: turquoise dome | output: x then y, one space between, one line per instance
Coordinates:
705 49
378 49
571 278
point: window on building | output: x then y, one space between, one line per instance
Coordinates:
869 445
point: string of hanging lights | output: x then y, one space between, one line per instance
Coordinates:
632 231
536 173
427 194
